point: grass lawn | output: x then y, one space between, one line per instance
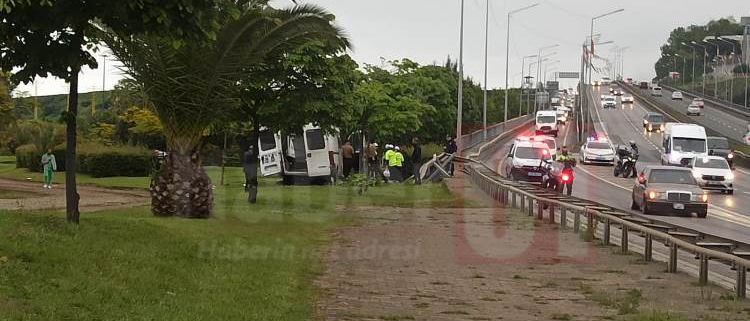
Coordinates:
249 262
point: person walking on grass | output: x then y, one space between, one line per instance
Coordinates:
49 166
373 164
416 160
395 162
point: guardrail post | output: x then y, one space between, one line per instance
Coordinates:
531 206
552 213
540 210
576 221
563 217
501 195
513 199
523 203
672 267
607 228
741 281
624 238
703 273
590 225
648 255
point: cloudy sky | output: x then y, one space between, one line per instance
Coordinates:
427 31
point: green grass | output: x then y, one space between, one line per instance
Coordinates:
248 262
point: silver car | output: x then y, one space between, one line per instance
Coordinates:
598 152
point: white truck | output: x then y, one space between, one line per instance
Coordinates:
309 153
546 123
682 143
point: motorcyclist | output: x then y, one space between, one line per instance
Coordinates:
568 162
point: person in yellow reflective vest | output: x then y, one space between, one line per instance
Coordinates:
395 162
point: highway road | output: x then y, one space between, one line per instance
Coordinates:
726 216
728 124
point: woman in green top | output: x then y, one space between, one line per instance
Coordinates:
49 165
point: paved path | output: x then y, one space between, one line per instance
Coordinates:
488 263
92 198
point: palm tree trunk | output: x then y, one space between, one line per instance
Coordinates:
181 187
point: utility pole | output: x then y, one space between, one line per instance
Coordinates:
507 54
486 41
459 141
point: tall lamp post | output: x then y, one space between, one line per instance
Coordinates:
507 53
486 41
523 64
459 141
539 61
591 33
692 60
705 54
716 82
734 54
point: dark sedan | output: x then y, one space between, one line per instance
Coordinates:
719 146
669 190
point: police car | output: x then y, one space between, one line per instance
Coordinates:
524 159
598 151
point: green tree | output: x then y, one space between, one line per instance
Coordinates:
190 91
43 37
7 118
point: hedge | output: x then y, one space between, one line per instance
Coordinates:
95 159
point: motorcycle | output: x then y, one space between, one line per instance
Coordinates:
560 177
626 164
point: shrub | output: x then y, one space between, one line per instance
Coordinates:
95 159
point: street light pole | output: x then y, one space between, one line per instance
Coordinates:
591 34
716 82
486 40
705 54
523 64
507 53
104 71
459 141
731 73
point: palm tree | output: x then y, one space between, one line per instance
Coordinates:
194 85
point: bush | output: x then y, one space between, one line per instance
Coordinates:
95 159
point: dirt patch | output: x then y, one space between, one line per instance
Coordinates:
92 198
496 264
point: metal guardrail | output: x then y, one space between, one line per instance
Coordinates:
729 106
477 137
531 198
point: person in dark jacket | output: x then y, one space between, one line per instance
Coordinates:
416 160
250 167
450 148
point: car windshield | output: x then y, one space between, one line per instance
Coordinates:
698 99
671 176
609 99
711 163
598 145
695 145
655 118
718 143
546 119
532 153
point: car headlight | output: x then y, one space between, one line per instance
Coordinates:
730 156
699 198
730 176
654 195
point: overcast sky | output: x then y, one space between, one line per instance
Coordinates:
427 31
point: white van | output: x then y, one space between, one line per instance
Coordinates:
309 153
546 122
656 91
682 143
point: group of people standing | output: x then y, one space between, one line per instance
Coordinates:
394 158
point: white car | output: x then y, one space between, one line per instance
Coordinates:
713 172
598 152
699 102
627 99
677 95
694 109
609 102
525 159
